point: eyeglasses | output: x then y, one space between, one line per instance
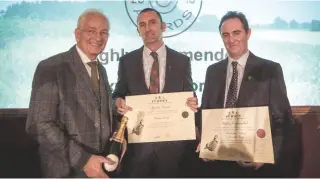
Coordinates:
94 33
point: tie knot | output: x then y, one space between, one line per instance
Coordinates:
154 55
92 64
234 64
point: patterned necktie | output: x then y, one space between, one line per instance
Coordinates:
233 88
94 74
154 76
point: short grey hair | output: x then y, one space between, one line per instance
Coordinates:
92 12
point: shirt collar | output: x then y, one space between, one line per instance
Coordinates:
83 56
241 61
161 51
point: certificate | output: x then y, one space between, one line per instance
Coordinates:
237 134
160 117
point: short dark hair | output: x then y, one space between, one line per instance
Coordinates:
150 9
238 15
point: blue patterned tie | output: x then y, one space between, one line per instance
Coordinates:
233 88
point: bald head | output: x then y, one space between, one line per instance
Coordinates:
91 12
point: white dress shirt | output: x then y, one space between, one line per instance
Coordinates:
240 67
148 61
85 60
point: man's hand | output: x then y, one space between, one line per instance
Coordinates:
198 150
121 106
256 166
93 167
192 103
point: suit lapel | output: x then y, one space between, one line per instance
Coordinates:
103 76
82 73
105 85
106 102
139 71
221 79
247 85
168 73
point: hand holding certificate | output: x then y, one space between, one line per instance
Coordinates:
160 117
237 134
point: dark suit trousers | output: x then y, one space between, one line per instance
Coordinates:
162 159
79 174
231 169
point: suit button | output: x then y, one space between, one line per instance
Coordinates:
96 124
280 120
96 147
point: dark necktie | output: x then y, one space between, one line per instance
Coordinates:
154 76
94 74
233 88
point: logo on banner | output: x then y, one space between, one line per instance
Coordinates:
179 15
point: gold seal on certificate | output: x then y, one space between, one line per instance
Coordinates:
237 134
160 117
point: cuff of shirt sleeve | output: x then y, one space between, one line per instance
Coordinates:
84 159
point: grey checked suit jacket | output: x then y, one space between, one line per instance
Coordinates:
67 117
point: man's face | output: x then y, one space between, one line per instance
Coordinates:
234 37
92 35
150 28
